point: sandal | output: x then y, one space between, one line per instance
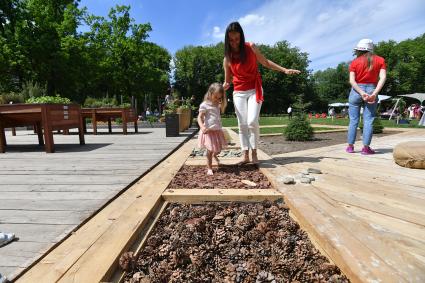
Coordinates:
210 172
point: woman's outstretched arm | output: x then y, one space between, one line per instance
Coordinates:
270 64
227 74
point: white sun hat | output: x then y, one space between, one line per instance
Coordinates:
364 44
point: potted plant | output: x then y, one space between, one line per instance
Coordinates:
171 121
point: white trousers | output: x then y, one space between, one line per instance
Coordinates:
248 111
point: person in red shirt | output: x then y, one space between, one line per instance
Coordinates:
367 77
240 64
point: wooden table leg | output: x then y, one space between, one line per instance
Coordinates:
13 131
49 145
84 125
2 140
136 129
81 131
110 125
94 123
37 127
124 122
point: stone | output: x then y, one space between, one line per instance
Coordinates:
314 171
288 180
305 180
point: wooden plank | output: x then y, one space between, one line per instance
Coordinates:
89 252
200 196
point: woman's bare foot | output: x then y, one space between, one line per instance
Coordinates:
254 157
245 159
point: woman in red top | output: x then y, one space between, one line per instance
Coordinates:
240 63
365 71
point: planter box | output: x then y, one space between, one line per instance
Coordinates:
172 125
184 118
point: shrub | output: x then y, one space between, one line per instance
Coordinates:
298 129
92 102
13 97
49 99
30 89
378 128
152 119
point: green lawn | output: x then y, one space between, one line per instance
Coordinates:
267 121
279 130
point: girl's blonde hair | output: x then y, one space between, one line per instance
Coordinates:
217 87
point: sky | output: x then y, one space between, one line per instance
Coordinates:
326 30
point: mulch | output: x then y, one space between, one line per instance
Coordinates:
225 177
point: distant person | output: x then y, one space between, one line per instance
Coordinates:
148 112
289 111
240 66
367 77
156 113
411 111
168 99
211 136
332 113
422 120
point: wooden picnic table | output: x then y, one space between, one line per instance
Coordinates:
107 114
45 118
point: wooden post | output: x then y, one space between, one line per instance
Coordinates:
13 131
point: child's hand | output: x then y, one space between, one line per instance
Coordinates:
204 130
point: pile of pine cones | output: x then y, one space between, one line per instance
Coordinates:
228 242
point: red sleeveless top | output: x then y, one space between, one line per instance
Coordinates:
246 76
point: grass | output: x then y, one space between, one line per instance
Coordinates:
267 121
279 130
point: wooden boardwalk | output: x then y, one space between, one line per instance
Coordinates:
44 197
366 213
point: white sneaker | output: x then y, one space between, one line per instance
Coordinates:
6 238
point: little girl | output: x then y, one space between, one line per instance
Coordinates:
211 135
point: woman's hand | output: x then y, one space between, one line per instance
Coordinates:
226 85
291 71
371 98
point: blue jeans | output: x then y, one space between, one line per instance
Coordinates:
355 101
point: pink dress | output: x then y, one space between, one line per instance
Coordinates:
214 139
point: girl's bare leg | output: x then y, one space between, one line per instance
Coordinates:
216 158
209 162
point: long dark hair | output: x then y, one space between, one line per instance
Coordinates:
234 27
369 57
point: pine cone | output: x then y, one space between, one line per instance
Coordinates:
127 261
262 227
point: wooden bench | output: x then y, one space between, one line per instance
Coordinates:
47 117
107 114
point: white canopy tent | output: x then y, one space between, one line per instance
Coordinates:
417 95
339 104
